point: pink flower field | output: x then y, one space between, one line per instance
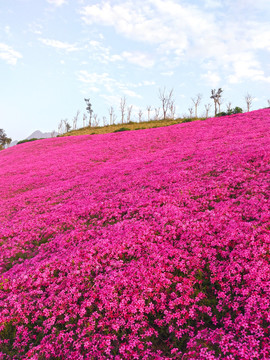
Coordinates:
150 244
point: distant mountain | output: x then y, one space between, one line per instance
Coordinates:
39 135
36 135
13 143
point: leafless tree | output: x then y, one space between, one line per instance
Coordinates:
105 123
84 119
67 125
90 110
166 100
157 110
148 108
140 114
129 110
207 108
196 101
112 115
75 120
249 100
220 102
216 96
268 102
95 121
172 110
229 106
190 112
53 134
61 127
123 109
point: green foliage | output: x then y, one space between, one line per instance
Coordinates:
68 127
222 113
4 140
187 120
27 140
236 110
17 258
121 129
9 333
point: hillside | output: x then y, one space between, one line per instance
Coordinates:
150 244
90 130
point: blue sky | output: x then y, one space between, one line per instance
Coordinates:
54 53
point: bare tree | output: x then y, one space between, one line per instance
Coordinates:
220 102
216 96
53 134
67 125
157 110
112 115
148 108
196 101
166 100
61 127
229 107
268 102
129 110
172 110
140 114
105 122
249 100
84 119
90 110
75 120
207 108
95 121
123 109
190 112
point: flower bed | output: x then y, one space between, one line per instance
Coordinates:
138 245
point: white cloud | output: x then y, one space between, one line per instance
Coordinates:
167 73
59 44
211 35
211 78
148 83
138 58
8 54
100 82
57 2
245 66
102 54
131 93
169 26
212 4
7 30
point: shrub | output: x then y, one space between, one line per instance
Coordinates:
121 129
236 110
187 120
27 140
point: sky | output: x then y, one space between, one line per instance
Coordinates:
56 53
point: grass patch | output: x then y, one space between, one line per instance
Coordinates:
129 126
121 129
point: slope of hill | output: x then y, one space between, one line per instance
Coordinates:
90 130
138 245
